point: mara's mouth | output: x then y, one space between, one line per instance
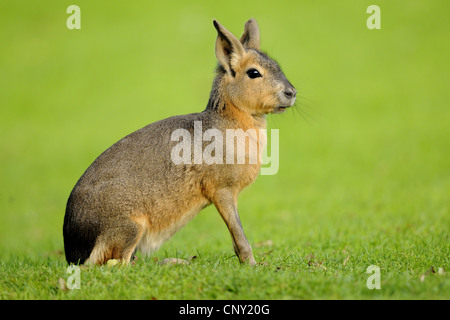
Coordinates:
280 109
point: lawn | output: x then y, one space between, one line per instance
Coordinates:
364 175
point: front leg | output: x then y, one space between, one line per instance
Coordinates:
226 204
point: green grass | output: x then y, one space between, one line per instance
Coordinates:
364 175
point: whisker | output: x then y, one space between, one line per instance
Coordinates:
300 107
302 113
305 113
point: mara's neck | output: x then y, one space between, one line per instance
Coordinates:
219 103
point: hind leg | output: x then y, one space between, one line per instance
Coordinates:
116 243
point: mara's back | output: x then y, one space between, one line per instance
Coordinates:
134 178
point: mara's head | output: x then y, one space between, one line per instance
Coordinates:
247 78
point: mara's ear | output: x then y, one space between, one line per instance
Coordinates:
250 37
229 49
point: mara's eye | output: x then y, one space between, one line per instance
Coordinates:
253 73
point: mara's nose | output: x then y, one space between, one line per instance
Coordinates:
290 93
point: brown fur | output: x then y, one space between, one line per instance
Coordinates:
134 197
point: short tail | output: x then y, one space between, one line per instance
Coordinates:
79 238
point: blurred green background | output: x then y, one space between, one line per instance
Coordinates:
366 155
